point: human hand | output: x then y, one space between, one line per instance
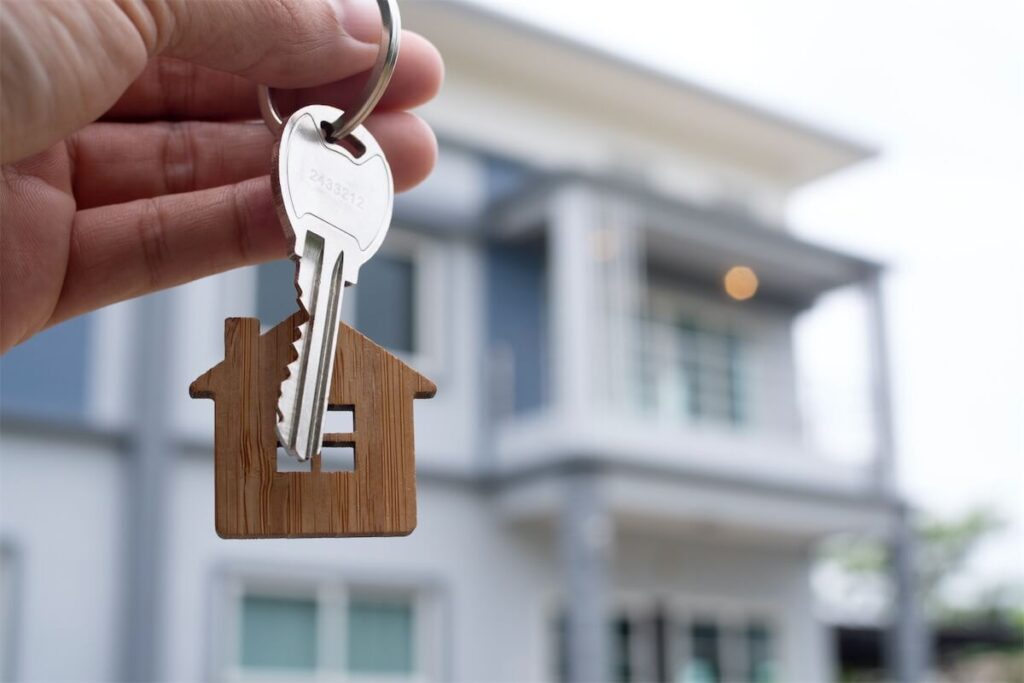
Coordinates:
131 161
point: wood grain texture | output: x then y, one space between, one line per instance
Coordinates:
253 499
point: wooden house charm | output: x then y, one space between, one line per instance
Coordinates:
253 499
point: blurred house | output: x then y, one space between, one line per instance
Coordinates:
616 477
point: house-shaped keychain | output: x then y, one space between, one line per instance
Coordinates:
253 499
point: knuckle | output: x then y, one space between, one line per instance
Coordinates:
152 242
179 157
154 20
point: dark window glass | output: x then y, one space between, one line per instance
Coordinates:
759 654
705 659
385 302
622 669
276 298
624 639
504 177
47 375
279 633
517 312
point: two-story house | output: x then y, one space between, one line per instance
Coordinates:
615 478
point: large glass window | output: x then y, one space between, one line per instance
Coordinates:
760 655
660 644
385 298
380 635
48 375
276 298
279 633
386 302
691 370
705 665
330 634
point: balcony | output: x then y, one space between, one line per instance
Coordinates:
614 345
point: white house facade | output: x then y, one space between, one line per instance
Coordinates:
615 477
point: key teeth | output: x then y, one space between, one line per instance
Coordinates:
290 368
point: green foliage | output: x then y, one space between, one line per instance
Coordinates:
942 552
945 545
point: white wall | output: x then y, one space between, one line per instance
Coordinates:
491 582
61 510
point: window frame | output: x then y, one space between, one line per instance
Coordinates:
729 615
331 593
666 307
429 305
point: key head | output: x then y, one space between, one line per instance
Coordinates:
324 186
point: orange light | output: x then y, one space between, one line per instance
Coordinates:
740 283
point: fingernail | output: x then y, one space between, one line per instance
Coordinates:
359 18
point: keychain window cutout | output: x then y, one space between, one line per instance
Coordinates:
287 463
337 458
339 421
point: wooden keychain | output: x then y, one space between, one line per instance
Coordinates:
334 193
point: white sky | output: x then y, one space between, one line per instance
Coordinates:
938 87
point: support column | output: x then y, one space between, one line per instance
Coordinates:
620 283
908 652
881 385
572 294
586 544
147 483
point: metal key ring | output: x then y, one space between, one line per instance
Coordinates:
376 84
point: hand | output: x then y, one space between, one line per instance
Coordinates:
131 160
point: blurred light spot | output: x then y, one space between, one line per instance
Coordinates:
740 283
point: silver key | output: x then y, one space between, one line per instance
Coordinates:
338 206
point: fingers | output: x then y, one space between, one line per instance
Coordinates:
409 145
71 61
118 162
171 89
283 43
118 252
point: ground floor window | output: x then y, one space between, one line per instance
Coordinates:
671 645
331 632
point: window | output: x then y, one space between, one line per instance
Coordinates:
385 302
720 648
397 302
333 632
760 661
704 665
653 643
380 636
276 298
47 375
691 370
279 633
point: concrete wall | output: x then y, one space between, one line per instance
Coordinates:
490 584
62 518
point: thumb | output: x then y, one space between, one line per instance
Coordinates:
66 63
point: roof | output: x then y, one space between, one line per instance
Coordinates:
551 64
703 242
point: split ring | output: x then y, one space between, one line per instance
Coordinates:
376 84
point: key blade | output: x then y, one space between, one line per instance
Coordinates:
303 398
